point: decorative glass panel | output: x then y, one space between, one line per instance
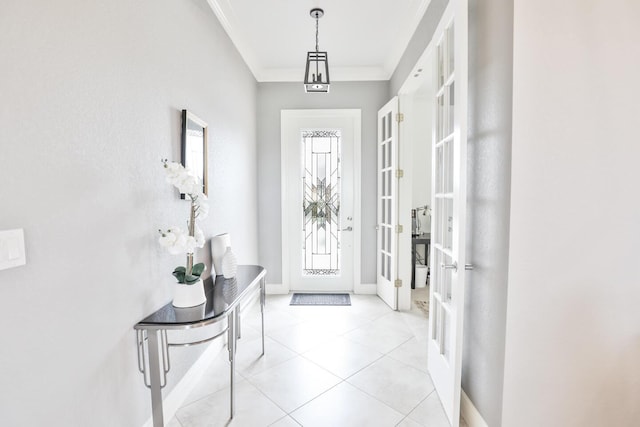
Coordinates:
450 44
321 202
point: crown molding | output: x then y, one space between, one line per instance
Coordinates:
239 42
261 74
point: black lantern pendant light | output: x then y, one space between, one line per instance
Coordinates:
316 75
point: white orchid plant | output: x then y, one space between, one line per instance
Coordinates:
175 239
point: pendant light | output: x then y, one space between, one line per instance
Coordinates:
316 75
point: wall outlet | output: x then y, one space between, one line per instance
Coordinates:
12 252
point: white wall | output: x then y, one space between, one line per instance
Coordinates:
421 139
274 97
91 94
573 323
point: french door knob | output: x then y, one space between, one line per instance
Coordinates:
349 228
453 266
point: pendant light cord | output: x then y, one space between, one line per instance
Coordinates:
317 68
316 32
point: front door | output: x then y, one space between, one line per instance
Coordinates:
446 300
320 216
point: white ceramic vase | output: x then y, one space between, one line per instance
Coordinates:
189 295
229 290
229 264
219 245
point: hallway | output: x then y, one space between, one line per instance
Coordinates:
363 365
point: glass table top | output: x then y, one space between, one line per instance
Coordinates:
222 295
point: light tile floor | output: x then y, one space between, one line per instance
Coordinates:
361 365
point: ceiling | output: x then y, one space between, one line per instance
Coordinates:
364 39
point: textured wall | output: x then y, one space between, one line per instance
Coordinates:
573 324
488 169
274 97
91 97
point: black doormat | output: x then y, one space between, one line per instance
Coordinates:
320 299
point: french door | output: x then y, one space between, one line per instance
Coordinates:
449 207
320 207
387 201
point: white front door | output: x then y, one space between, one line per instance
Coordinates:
387 241
449 207
320 217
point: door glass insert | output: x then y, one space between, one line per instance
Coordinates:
321 202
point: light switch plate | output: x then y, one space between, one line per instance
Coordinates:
12 252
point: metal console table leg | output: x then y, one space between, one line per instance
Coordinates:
262 302
154 378
231 345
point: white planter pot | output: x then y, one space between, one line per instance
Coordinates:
189 295
229 264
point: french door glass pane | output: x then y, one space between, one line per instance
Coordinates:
445 342
440 64
447 171
451 110
440 131
447 224
450 44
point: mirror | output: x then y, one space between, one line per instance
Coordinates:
194 147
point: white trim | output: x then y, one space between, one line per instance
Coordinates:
365 288
356 115
276 289
470 413
358 289
185 386
238 41
405 186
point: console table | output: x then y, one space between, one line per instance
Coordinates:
223 303
420 239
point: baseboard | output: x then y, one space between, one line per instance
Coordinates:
361 289
276 289
470 413
176 397
365 289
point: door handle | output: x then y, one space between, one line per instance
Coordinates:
349 228
453 266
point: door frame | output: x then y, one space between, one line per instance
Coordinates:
414 81
286 217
